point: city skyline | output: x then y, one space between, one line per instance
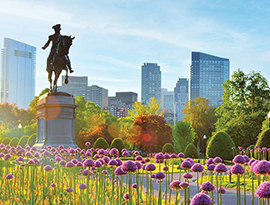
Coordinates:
113 38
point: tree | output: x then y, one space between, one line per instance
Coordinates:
183 134
33 103
152 132
245 106
201 115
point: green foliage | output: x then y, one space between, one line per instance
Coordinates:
191 151
264 139
5 140
183 135
220 146
168 148
245 107
14 142
33 103
101 143
32 140
118 144
30 129
23 141
201 115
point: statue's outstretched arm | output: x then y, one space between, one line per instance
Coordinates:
46 44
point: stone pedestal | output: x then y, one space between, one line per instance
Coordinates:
56 120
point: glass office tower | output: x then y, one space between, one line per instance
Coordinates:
18 73
151 82
180 97
207 74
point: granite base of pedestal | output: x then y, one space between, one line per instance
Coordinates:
56 120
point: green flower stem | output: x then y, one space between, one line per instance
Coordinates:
245 195
197 182
87 190
130 188
112 196
147 186
238 190
252 178
185 196
166 185
138 187
176 196
217 188
170 191
159 193
150 199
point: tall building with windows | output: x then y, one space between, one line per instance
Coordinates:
151 82
78 85
207 74
18 73
180 97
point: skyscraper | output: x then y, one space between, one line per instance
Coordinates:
207 74
151 82
18 73
180 97
97 95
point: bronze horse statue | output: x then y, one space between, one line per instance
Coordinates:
60 61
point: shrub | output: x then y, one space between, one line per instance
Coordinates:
5 140
32 140
169 148
220 145
191 151
118 144
14 141
23 141
264 139
101 143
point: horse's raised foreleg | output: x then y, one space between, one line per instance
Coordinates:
66 80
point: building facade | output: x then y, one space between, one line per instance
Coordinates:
78 85
150 82
180 97
207 74
127 97
18 73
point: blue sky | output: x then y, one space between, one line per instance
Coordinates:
114 37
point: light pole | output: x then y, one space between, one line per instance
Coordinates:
20 127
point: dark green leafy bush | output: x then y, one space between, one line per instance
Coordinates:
191 151
32 140
23 141
118 144
101 143
169 148
14 141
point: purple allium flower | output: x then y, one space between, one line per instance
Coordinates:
233 148
119 171
165 168
262 167
147 159
125 153
114 152
167 156
129 166
88 163
188 175
186 164
221 168
119 162
197 167
263 190
87 144
160 175
70 164
153 176
253 165
181 155
98 163
106 159
211 167
112 163
47 168
53 185
239 159
79 164
175 185
74 161
69 189
28 154
19 159
9 176
190 160
138 164
82 186
134 186
86 172
46 153
123 150
101 151
237 169
138 158
184 185
159 161
150 167
174 156
221 190
7 157
62 163
251 161
201 199
207 187
159 156
246 159
30 162
210 161
217 160
104 172
126 196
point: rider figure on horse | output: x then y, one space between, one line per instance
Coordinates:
55 38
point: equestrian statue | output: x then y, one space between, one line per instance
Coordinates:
58 59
